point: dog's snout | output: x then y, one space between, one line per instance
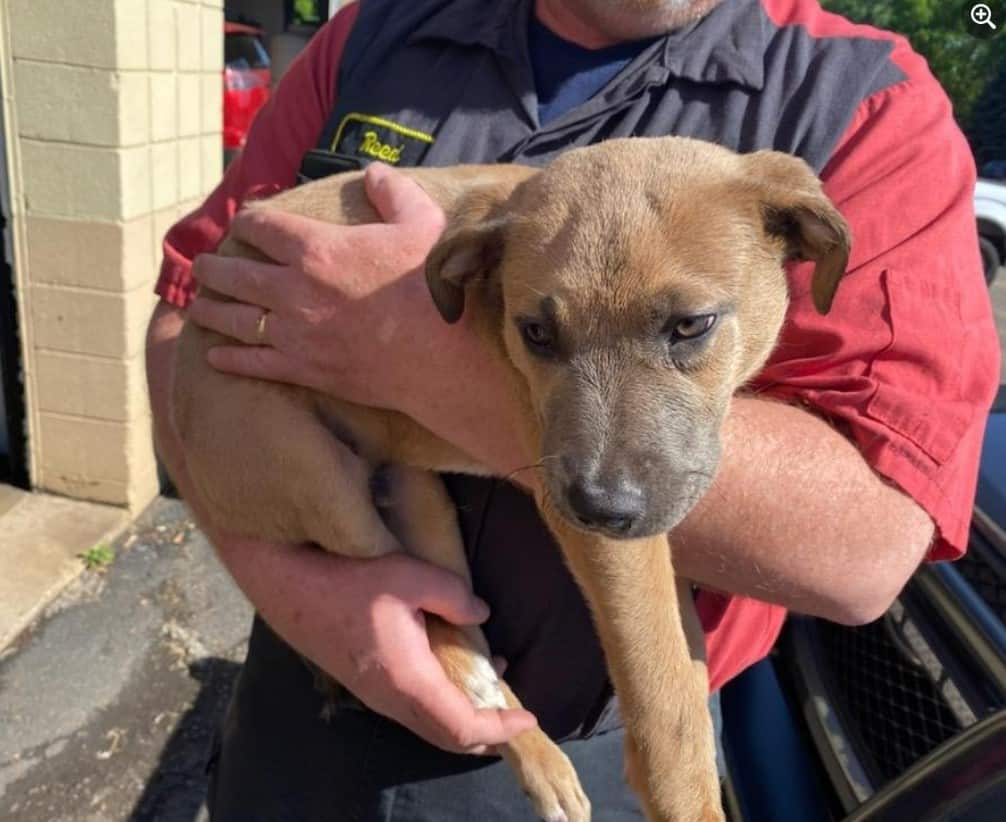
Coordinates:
614 507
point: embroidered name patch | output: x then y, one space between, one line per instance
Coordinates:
365 135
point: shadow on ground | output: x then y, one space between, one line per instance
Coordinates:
177 787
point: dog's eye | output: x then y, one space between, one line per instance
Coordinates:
692 328
537 336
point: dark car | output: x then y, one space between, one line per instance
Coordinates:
247 82
901 720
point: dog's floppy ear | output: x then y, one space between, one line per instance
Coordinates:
469 249
795 208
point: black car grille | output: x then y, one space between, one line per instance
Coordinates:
989 583
888 704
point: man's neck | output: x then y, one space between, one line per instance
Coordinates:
581 21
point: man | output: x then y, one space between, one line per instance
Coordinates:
825 502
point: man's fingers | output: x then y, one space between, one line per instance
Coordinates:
263 362
400 199
289 239
248 281
237 320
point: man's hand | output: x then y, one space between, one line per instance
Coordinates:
350 315
349 310
363 622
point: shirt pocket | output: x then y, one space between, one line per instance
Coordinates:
917 378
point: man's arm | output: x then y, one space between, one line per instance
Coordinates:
797 517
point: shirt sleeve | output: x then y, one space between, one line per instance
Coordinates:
286 127
907 361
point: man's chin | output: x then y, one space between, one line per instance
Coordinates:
637 19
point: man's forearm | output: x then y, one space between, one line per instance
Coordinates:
796 515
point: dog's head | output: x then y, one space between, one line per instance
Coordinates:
637 285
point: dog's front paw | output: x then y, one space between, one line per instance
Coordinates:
548 778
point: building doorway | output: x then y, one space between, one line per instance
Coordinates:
13 446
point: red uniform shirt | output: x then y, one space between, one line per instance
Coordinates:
905 364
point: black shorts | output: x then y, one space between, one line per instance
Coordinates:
275 759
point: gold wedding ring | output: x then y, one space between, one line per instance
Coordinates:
260 327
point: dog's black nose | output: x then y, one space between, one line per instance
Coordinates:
614 508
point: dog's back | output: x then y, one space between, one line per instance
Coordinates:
270 478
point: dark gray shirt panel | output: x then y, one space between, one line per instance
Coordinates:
760 86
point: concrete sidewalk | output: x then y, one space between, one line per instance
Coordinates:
41 538
109 701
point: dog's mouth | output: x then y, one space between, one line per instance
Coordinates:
627 516
616 531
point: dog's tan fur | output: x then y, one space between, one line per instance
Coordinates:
616 235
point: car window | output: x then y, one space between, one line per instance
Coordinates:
243 51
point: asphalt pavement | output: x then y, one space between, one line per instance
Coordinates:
109 702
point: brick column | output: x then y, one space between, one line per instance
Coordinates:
113 127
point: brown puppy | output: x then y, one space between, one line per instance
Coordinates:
630 288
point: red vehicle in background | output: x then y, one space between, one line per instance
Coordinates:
247 81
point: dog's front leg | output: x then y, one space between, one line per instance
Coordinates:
662 687
422 515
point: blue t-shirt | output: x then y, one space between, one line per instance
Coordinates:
567 74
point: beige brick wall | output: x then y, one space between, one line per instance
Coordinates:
113 119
